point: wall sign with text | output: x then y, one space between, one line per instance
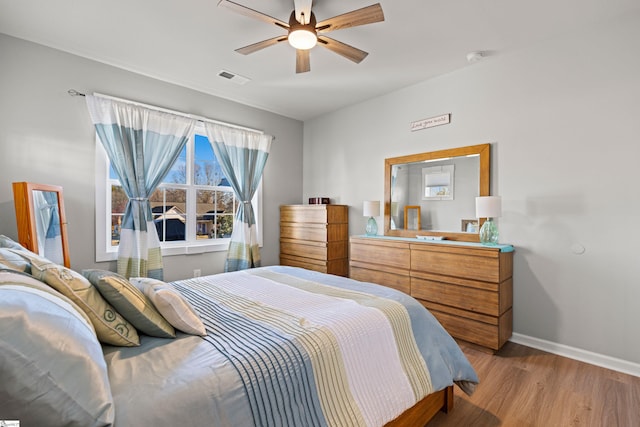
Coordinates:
430 122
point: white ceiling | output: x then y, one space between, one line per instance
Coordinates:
187 42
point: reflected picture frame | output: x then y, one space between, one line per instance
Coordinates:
412 217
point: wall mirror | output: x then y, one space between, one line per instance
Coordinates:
427 180
41 220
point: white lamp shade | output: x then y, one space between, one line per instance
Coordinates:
488 207
371 208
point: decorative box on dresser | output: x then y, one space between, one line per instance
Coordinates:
467 286
315 237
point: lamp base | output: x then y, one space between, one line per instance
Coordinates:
372 227
489 233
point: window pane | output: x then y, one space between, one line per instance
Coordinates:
168 206
225 225
118 204
206 168
112 172
178 172
213 207
227 199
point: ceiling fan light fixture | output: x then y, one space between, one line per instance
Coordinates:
302 39
302 36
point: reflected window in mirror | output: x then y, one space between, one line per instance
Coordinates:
444 184
438 182
41 220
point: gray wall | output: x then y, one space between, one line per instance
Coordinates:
563 118
46 136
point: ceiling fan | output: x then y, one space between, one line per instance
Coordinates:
304 32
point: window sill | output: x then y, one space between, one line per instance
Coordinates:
173 249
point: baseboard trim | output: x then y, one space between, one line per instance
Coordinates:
597 359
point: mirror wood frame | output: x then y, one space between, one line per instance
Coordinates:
25 216
483 150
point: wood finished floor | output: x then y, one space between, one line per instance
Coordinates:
524 387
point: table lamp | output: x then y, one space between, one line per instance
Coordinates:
371 209
488 207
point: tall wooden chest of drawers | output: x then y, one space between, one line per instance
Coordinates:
315 237
468 287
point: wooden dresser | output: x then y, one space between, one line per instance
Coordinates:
315 237
467 286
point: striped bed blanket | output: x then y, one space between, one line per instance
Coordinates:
322 354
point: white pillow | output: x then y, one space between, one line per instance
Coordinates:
52 370
171 304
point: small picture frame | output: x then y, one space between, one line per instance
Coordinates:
412 217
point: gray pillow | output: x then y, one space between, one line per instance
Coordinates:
130 303
7 242
52 370
14 261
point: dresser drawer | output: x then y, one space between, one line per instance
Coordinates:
492 335
466 298
469 330
391 279
389 254
321 214
316 250
314 232
474 264
339 267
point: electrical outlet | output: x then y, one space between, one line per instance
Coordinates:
196 272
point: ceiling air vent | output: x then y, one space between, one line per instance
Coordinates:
236 78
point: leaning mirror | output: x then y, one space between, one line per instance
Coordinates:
40 216
443 186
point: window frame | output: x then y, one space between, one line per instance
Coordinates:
106 252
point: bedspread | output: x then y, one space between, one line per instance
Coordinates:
293 347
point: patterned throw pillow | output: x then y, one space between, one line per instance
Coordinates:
171 304
110 326
130 302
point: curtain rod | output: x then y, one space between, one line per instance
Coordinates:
73 92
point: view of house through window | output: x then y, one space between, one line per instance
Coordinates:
193 202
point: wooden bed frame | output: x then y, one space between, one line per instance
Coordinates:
423 411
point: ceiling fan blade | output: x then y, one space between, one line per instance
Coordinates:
349 52
366 15
302 61
243 10
260 45
303 7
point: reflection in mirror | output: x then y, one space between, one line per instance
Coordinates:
430 186
45 209
41 220
412 217
443 184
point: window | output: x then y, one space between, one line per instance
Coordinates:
437 183
193 208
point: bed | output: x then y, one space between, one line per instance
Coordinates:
281 346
